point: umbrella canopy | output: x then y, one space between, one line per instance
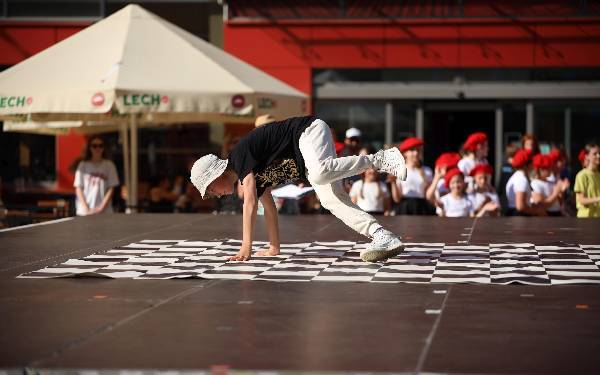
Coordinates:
135 69
135 62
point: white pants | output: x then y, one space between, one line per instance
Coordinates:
324 171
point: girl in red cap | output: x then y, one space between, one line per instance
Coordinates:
437 188
410 194
484 197
475 151
587 184
546 193
518 188
455 203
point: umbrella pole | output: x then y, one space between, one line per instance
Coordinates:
134 163
125 140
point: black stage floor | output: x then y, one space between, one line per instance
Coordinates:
220 325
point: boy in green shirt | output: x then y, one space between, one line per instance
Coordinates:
587 184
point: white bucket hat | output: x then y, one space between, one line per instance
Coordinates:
205 170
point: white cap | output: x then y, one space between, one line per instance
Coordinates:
353 132
205 170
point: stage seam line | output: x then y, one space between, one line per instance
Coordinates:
49 222
91 247
82 340
472 230
430 336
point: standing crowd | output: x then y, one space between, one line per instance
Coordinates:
459 185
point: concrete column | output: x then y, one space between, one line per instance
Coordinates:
499 146
420 121
530 128
568 131
389 123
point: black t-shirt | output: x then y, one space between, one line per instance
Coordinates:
272 152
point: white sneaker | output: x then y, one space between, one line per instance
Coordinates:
391 161
384 245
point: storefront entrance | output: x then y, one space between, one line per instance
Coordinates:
446 127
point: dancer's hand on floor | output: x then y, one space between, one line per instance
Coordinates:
270 252
242 255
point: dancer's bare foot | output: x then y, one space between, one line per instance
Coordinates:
242 255
270 252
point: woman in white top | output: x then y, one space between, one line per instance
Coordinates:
518 189
546 193
409 195
455 203
95 180
371 194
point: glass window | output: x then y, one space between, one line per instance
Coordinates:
585 128
549 124
53 8
404 122
367 116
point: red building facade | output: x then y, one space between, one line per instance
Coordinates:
433 69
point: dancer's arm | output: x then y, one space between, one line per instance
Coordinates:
248 217
272 220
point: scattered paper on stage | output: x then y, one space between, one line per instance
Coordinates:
291 191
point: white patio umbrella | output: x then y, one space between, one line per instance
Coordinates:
136 69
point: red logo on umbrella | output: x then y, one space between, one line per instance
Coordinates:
29 100
98 99
238 101
164 99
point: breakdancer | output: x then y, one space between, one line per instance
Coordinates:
286 151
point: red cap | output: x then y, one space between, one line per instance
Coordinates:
448 160
451 173
473 140
482 168
542 161
521 158
409 143
582 154
555 155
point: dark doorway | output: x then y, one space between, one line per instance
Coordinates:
446 130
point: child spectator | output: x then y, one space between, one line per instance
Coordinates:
587 184
371 194
437 188
518 188
410 194
546 193
484 197
530 144
582 158
475 151
455 203
162 199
